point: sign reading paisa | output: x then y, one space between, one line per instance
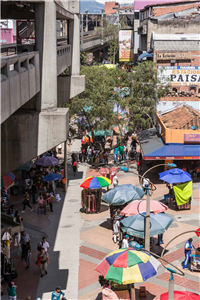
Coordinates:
179 75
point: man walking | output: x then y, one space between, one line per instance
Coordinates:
44 244
116 151
44 261
188 248
25 238
58 294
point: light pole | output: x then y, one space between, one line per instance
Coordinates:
102 11
171 279
81 31
86 27
147 217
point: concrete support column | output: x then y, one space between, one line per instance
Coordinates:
65 164
45 41
74 41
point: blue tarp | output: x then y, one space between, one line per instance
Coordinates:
176 150
146 54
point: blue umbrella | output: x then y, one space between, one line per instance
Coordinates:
146 54
135 225
52 177
122 194
175 176
46 161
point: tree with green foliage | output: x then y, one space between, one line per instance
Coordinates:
146 88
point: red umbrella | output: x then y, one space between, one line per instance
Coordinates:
133 207
103 172
181 296
198 234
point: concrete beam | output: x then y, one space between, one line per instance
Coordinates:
69 87
27 134
62 13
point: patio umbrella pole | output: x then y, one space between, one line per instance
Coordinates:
171 287
147 224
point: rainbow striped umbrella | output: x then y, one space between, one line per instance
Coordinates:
139 266
95 182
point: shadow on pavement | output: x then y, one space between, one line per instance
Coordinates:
106 224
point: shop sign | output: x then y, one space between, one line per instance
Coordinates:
191 138
174 55
179 75
126 45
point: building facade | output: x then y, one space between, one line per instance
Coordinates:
32 87
175 17
177 57
111 7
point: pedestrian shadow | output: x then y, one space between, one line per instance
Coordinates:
99 296
104 208
70 175
107 224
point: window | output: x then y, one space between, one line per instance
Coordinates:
174 90
193 89
199 91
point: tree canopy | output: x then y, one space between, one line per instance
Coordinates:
103 93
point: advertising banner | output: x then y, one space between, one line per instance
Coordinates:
191 138
180 75
174 55
126 45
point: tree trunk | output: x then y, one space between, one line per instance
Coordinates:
114 56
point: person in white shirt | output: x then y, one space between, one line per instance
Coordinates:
125 243
60 149
44 244
115 181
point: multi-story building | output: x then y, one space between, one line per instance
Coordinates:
128 12
32 88
175 17
177 57
111 7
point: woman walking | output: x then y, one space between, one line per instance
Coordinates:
74 165
26 202
44 261
12 291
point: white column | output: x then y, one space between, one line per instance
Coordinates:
74 41
45 18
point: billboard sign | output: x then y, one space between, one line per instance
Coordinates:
126 45
191 138
180 75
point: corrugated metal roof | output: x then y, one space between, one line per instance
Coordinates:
176 37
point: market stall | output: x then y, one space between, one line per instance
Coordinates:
10 232
92 193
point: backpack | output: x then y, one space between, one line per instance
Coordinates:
74 164
39 247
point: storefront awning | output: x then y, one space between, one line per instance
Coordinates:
7 222
153 148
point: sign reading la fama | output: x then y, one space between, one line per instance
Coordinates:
180 75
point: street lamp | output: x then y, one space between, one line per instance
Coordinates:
147 217
86 27
171 279
102 11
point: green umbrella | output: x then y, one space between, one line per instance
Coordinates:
122 194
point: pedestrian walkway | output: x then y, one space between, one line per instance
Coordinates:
67 240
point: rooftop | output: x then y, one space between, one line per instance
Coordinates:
176 37
180 117
126 7
140 4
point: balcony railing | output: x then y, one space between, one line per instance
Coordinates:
64 58
20 81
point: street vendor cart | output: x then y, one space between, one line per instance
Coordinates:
91 200
195 260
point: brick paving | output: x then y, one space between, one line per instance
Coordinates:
181 281
91 252
101 236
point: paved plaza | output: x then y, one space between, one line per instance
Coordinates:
79 241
